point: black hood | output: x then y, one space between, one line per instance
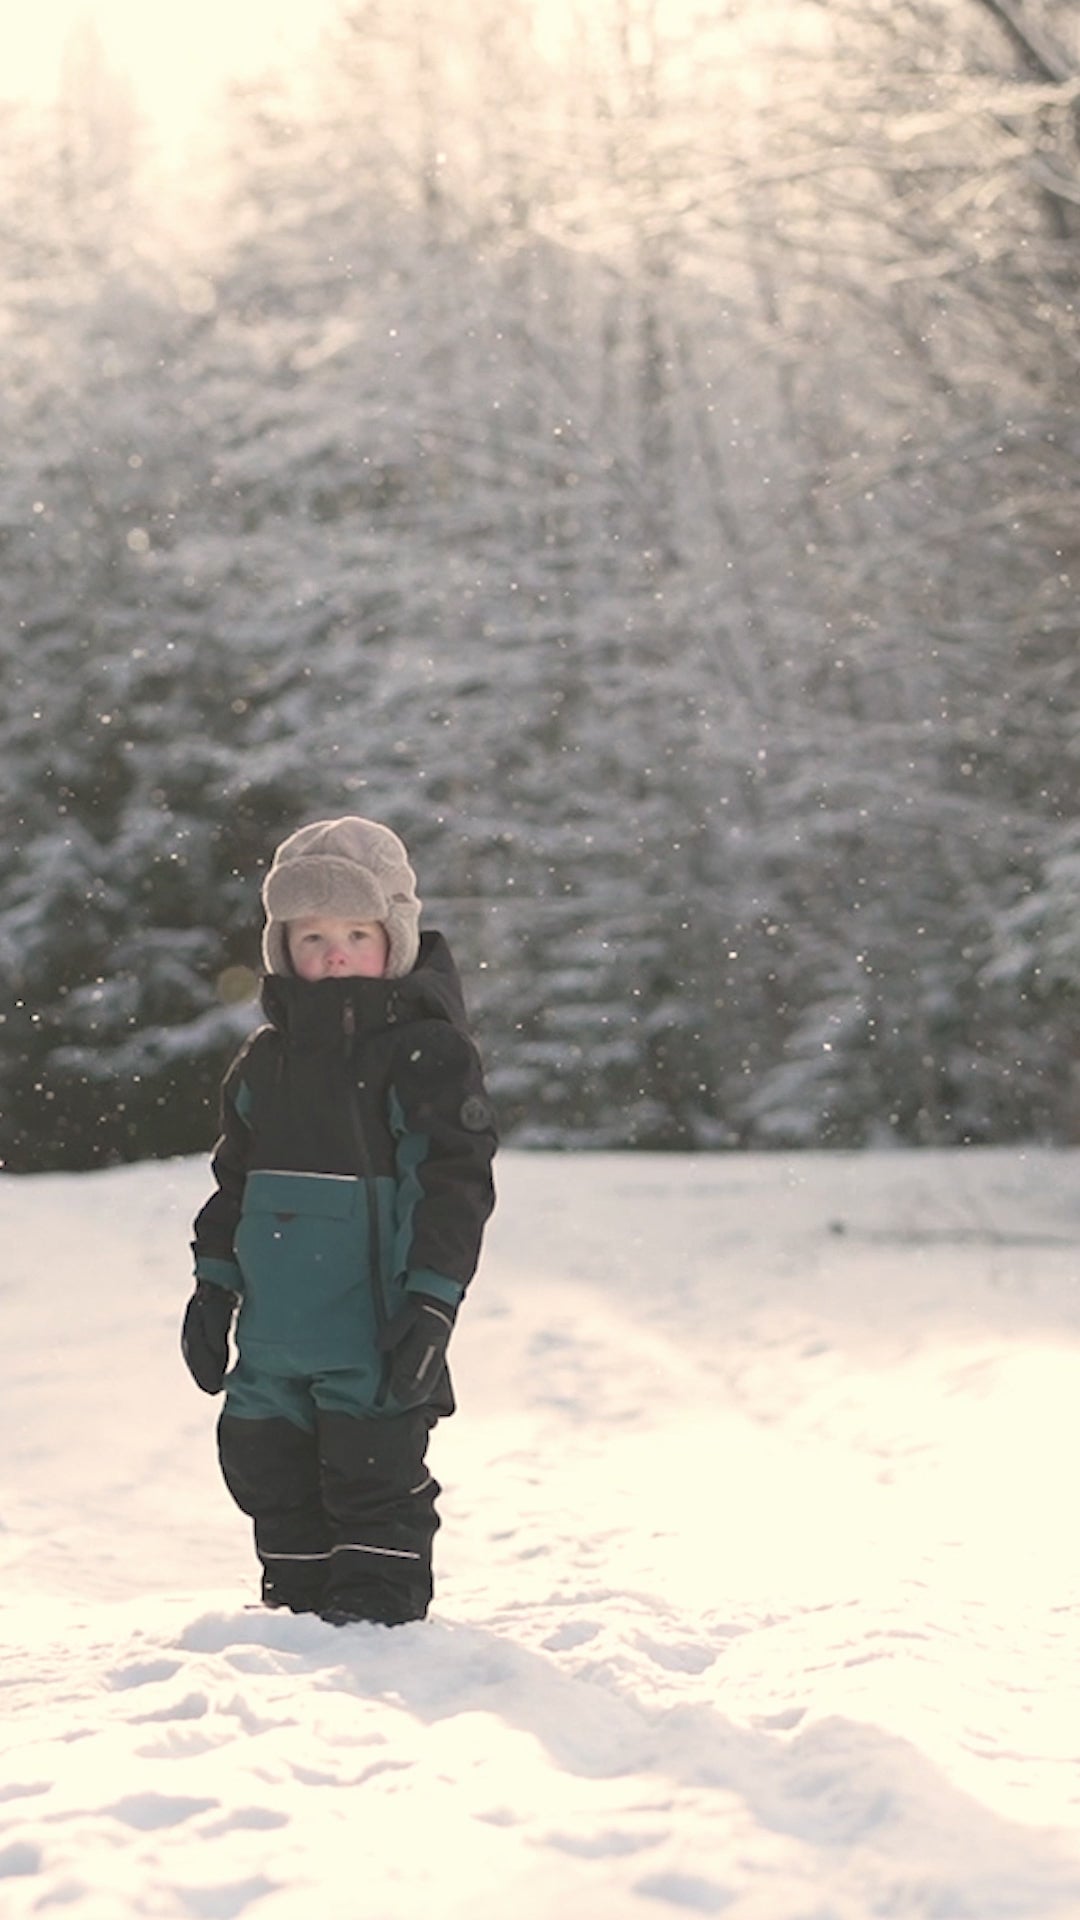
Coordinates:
315 1009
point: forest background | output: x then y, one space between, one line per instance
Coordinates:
633 450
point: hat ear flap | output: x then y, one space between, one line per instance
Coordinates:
403 935
275 948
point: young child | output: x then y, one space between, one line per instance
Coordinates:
353 1184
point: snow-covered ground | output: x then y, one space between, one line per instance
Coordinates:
759 1581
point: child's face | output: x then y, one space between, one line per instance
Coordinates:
325 949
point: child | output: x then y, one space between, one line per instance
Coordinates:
353 1184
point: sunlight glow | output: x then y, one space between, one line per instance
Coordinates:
176 60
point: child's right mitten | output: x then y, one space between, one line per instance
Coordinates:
204 1338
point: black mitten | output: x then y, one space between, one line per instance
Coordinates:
416 1340
204 1339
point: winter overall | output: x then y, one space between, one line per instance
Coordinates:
354 1167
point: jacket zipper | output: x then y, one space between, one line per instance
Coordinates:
367 1174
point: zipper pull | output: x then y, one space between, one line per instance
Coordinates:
348 1020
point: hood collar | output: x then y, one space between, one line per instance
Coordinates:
321 1011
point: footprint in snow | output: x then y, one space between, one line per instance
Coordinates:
576 1633
319 1777
783 1722
149 1812
142 1673
18 1790
19 1859
687 1890
225 1902
607 1845
677 1656
193 1706
245 1819
180 1743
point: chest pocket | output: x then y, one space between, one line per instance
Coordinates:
302 1231
302 1245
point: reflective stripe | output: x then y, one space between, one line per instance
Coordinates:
345 1546
291 1173
387 1553
264 1555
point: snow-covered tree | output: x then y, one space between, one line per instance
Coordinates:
637 463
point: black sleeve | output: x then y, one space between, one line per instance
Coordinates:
446 1140
216 1222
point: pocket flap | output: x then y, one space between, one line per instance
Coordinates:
331 1196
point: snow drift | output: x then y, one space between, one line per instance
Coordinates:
757 1584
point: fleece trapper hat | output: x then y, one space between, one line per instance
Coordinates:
347 869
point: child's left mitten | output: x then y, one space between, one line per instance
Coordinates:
204 1338
416 1339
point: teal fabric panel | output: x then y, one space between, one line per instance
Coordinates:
304 1245
410 1153
223 1273
254 1394
438 1285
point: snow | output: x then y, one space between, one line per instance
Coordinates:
756 1587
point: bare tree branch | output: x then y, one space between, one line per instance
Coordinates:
1040 51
